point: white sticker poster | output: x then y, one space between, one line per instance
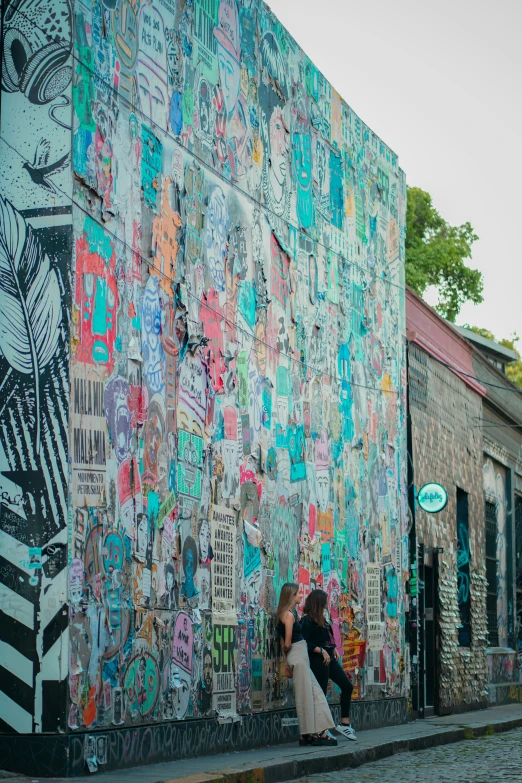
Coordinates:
373 606
223 681
223 525
89 434
205 42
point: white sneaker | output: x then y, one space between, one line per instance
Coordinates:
346 731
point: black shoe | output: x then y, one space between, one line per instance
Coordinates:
306 739
324 739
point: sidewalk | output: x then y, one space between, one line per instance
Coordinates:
287 762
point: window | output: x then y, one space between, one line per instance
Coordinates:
491 572
463 557
418 377
518 540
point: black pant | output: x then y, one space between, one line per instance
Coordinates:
334 671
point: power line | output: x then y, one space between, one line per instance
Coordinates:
204 163
492 423
467 375
494 426
134 252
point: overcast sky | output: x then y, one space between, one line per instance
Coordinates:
441 84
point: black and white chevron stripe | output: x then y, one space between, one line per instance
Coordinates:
33 637
34 487
18 617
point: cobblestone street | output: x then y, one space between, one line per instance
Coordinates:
489 759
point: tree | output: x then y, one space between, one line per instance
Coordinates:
513 370
435 255
482 332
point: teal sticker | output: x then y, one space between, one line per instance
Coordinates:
432 498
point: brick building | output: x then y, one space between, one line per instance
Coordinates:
502 465
448 628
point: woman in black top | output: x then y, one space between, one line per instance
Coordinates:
324 658
313 712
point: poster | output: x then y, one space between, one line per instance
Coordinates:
205 42
89 434
257 684
224 564
251 557
150 165
102 743
326 556
89 753
373 606
183 642
190 464
354 654
375 668
223 681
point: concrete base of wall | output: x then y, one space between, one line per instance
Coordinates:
504 693
64 755
455 709
502 665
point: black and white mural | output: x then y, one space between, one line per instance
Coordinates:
35 256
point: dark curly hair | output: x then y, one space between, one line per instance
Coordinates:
315 605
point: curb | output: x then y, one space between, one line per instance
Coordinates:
278 772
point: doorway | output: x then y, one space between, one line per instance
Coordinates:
431 688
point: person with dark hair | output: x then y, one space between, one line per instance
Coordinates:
313 713
324 658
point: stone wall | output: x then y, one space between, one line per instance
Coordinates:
447 448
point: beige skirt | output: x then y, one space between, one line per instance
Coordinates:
313 712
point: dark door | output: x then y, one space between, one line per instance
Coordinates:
518 561
430 659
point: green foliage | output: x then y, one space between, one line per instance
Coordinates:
510 344
514 373
481 332
435 255
513 370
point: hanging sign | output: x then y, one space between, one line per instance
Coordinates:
432 498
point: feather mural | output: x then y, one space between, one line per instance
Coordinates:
30 311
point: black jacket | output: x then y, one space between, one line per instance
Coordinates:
316 635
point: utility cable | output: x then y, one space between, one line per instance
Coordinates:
204 163
467 375
220 316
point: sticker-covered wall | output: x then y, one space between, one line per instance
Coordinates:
237 372
496 500
35 263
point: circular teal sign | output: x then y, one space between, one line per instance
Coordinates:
432 498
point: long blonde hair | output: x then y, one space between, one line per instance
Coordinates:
286 599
